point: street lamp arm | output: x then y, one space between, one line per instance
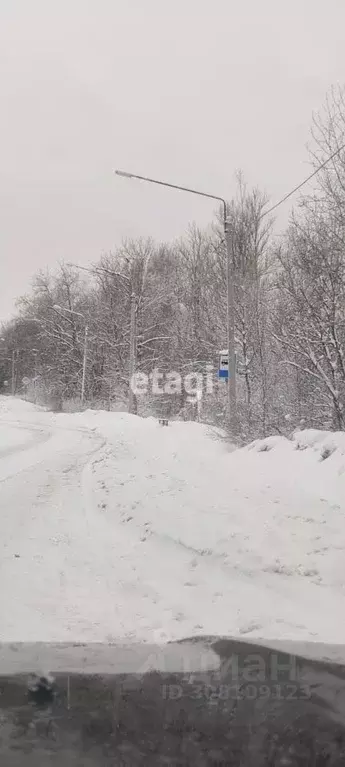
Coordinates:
116 274
100 269
124 174
58 309
232 406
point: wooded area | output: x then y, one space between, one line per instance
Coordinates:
290 312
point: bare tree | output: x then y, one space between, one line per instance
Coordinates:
312 278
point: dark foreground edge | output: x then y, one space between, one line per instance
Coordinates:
206 701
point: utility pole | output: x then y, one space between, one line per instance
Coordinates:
60 309
13 382
35 352
84 365
232 400
132 330
35 379
132 354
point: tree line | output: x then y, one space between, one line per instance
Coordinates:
290 311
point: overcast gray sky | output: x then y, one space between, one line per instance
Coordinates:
185 90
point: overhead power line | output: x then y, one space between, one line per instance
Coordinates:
296 188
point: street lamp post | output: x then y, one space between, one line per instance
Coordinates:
58 309
15 356
132 354
11 359
13 382
84 365
36 352
132 331
232 399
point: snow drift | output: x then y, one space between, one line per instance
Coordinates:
113 527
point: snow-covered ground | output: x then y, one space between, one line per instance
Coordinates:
114 527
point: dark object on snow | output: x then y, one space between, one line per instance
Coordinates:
164 422
41 691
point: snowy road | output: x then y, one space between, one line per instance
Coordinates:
112 526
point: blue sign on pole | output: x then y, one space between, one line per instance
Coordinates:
223 371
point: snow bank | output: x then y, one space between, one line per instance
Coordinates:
265 445
17 407
124 528
328 446
324 447
263 521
